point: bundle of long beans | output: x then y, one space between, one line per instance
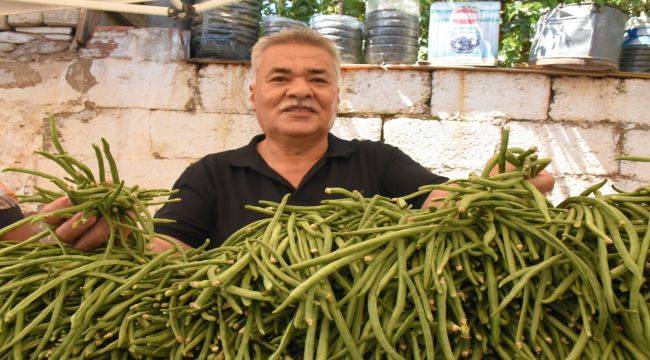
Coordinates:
493 270
51 295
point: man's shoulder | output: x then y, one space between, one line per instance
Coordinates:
372 147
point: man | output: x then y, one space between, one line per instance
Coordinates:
295 95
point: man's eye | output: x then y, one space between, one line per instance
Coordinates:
319 80
279 79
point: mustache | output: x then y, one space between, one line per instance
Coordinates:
294 104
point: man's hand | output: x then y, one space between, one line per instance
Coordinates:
159 245
85 235
544 182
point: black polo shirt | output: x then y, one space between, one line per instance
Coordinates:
214 190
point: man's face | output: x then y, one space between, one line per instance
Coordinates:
295 94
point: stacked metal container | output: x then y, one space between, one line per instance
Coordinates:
273 24
227 32
579 36
345 31
392 30
635 53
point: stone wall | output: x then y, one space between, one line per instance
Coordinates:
28 36
161 113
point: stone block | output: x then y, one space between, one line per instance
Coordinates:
591 99
15 38
357 128
121 42
443 144
636 142
477 95
628 184
196 135
45 30
148 85
30 84
573 185
47 47
367 91
4 23
68 17
22 127
58 37
447 93
6 47
28 19
144 171
223 88
127 132
574 149
152 173
506 95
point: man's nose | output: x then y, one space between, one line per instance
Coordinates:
299 88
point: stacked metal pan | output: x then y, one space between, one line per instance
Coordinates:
392 29
227 32
273 24
635 54
345 31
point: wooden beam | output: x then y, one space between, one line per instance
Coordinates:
88 19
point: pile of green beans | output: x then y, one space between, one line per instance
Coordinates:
493 270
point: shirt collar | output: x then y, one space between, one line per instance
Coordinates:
248 156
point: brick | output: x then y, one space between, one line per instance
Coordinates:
69 17
149 85
15 38
152 44
6 47
224 88
357 128
28 19
476 95
446 93
4 24
444 144
635 142
194 136
127 131
574 149
505 95
45 30
36 84
588 99
408 92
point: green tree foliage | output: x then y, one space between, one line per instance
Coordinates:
518 19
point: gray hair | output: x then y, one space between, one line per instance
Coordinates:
301 36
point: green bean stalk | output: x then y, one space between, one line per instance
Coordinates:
493 271
104 195
56 283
